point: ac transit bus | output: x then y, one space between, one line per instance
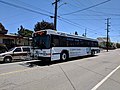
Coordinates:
51 45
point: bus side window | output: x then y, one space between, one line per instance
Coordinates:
55 41
70 42
81 43
62 41
76 42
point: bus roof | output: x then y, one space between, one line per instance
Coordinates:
54 32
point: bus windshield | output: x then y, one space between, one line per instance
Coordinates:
41 41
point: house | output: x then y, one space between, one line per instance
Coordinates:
103 41
11 40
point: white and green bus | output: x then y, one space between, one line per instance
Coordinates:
52 45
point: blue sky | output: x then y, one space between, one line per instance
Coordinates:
92 19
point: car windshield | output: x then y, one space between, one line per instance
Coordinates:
10 49
42 42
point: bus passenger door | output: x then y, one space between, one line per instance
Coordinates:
55 53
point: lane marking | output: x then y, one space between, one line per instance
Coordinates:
13 72
18 62
18 71
103 80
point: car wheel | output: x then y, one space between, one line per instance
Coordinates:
7 59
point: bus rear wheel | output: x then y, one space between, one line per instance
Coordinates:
63 56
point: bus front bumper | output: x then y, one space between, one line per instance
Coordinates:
44 58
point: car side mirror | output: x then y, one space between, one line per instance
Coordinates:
13 52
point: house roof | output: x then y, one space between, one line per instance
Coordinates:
13 36
10 35
103 39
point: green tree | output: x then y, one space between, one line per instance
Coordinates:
118 45
24 32
43 25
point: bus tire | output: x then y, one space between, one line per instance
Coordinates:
7 59
64 56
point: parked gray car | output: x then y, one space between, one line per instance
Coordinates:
16 53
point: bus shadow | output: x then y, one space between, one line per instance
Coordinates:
1 62
15 61
41 63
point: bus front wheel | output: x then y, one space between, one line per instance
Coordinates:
63 56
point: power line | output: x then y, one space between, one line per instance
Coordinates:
34 7
10 4
76 24
24 20
116 9
86 19
87 8
86 15
9 17
105 13
78 5
26 5
72 22
69 23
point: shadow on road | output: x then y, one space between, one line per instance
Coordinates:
1 62
41 63
15 61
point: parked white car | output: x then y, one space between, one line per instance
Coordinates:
16 53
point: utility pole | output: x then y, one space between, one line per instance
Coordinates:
85 32
55 14
108 25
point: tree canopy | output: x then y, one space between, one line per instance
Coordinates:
118 45
24 32
43 25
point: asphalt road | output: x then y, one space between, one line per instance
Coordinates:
101 72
